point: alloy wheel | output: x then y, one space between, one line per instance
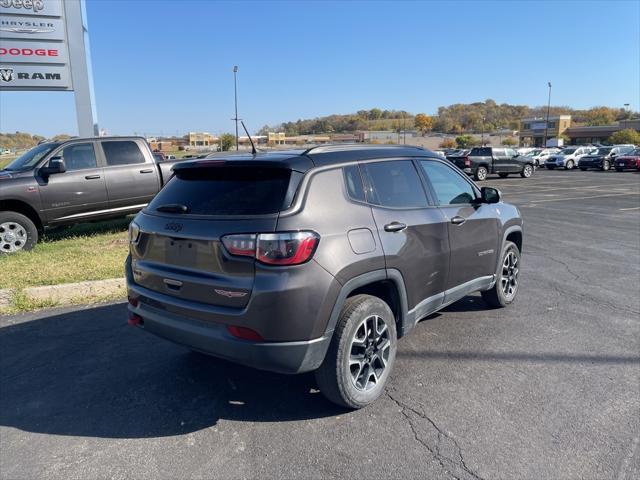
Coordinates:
370 350
510 271
13 237
527 171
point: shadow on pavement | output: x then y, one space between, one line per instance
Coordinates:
87 373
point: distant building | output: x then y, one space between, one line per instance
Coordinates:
532 130
599 133
276 138
201 139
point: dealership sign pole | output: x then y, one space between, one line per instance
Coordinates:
44 46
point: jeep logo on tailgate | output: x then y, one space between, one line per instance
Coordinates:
174 227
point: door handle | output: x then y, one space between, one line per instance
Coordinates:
394 227
149 170
91 177
458 220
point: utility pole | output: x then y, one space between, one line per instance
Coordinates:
235 95
546 123
482 130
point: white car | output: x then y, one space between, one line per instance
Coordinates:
540 155
568 157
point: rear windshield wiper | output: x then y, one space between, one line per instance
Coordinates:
173 208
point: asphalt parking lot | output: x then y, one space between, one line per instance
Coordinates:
546 389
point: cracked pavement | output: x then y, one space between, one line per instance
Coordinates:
548 388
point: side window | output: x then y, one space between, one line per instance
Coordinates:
353 181
498 152
124 152
394 184
450 188
79 156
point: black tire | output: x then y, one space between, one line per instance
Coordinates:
503 175
17 232
527 171
335 377
481 173
569 165
497 297
606 165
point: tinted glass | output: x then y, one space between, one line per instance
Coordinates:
353 180
122 153
394 184
227 191
450 188
498 152
480 152
79 156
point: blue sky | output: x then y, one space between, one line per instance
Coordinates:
165 67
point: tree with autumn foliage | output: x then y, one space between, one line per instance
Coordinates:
423 123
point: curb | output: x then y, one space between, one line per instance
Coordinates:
66 293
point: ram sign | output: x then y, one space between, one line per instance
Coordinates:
33 32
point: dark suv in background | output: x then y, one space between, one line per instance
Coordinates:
320 260
482 161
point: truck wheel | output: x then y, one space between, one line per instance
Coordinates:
527 171
361 354
17 232
605 165
503 175
481 173
506 287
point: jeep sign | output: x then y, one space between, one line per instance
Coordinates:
32 7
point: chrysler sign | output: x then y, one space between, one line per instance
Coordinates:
31 28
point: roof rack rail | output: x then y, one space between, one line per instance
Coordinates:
353 146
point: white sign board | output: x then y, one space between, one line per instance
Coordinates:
30 28
33 32
30 76
44 46
32 7
24 51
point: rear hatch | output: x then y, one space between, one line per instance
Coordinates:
179 251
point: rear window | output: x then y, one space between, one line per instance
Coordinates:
229 191
480 152
122 153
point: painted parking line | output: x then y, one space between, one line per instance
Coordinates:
627 209
564 199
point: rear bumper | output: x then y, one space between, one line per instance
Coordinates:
203 327
214 339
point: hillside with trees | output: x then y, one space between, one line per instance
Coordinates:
456 119
21 140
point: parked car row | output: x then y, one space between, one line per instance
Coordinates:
587 156
480 162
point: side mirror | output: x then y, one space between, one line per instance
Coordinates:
55 165
490 195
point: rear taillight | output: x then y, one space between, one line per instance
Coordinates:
285 248
467 162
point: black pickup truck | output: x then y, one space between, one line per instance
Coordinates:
481 161
74 181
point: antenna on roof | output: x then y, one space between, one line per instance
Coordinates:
253 147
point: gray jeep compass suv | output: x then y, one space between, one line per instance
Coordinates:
295 261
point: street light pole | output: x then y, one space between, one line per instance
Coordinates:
482 130
235 94
546 123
